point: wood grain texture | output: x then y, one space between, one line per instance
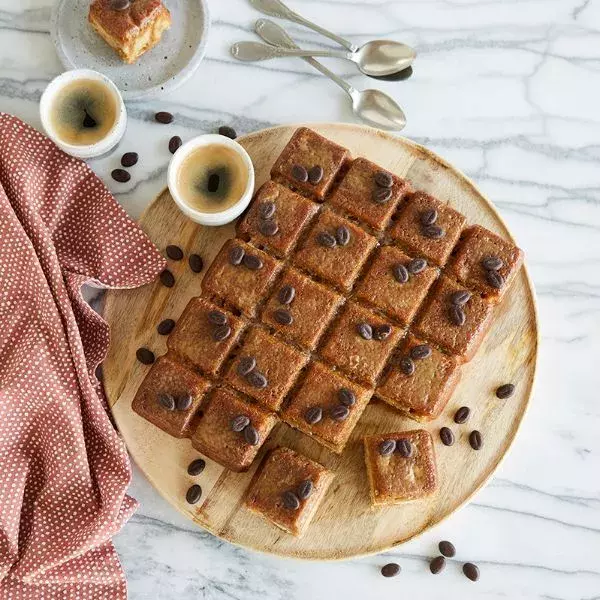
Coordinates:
345 524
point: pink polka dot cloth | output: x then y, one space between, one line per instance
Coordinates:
64 470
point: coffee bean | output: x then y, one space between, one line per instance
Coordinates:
194 494
460 298
120 175
420 352
196 467
384 179
268 228
145 356
167 278
407 366
246 365
339 413
236 255
239 423
196 263
217 317
227 131
390 570
433 232
382 332
290 500
447 548
129 159
120 4
416 265
505 391
446 436
164 117
305 489
494 279
492 263
166 401
437 564
184 401
266 209
283 317
400 272
346 397
381 195
475 440
428 217
342 235
251 436
326 239
404 448
456 315
387 447
286 294
313 415
365 331
174 252
471 571
257 380
462 415
300 173
165 327
252 262
221 333
315 174
174 144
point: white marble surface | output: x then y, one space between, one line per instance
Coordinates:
507 90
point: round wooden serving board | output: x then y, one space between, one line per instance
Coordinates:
345 524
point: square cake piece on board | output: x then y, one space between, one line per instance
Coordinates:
288 489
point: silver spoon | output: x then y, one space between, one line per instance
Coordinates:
381 57
372 106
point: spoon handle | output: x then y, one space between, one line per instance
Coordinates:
276 8
254 51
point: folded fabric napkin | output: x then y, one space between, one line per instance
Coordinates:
64 470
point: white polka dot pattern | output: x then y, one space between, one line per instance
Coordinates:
64 470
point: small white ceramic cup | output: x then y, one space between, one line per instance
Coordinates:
204 218
114 135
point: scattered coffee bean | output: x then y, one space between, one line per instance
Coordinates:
456 315
290 500
196 467
268 228
257 380
494 279
184 401
437 564
287 294
433 232
165 327
365 331
120 175
313 415
194 494
305 489
384 179
387 447
129 159
227 131
428 217
471 571
475 440
196 263
407 366
447 548
174 144
382 332
145 356
346 397
120 4
404 448
283 317
166 401
315 174
251 436
416 265
492 263
339 413
420 352
167 278
390 570
300 173
505 391
382 195
326 239
217 317
462 415
164 117
266 209
446 436
252 262
342 235
246 365
239 423
460 298
236 255
174 252
221 333
400 273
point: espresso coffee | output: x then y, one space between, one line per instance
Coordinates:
83 112
212 178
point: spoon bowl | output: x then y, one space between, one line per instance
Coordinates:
378 109
384 57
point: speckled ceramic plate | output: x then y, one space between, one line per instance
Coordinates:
163 68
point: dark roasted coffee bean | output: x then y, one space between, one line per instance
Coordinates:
494 279
174 144
382 195
313 415
456 315
246 364
420 352
471 571
400 272
305 489
221 333
326 239
287 294
342 235
227 131
120 175
492 263
251 436
290 500
346 397
505 391
166 401
446 436
300 173
268 228
167 278
164 117
283 317
437 564
407 366
194 494
428 217
236 255
390 570
129 159
339 413
217 317
196 467
252 262
174 252
257 380
447 548
239 423
266 209
387 447
196 263
404 448
433 232
475 440
460 298
120 4
462 415
416 265
145 356
315 174
365 331
165 327
184 401
384 179
382 332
